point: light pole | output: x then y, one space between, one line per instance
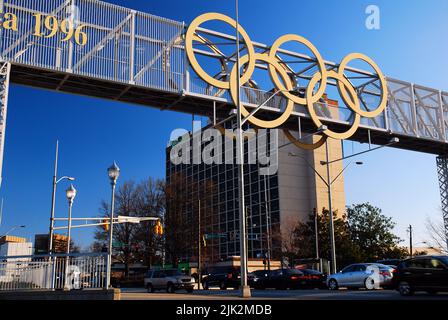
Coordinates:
316 235
71 194
411 253
245 289
199 245
53 198
113 172
268 227
328 182
12 229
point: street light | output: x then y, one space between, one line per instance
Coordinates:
53 198
328 182
12 229
113 172
71 194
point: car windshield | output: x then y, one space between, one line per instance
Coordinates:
172 273
310 271
382 266
293 271
444 260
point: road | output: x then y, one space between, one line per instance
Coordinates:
141 294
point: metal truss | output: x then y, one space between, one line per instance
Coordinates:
139 58
442 170
129 50
5 69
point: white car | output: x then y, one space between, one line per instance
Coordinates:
169 280
361 275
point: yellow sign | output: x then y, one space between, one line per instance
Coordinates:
48 26
282 81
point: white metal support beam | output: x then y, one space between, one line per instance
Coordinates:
5 69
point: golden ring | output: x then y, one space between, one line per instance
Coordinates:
302 145
343 91
190 37
320 63
269 124
352 104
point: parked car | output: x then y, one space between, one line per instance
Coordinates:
169 280
390 262
288 279
256 277
222 277
361 275
425 273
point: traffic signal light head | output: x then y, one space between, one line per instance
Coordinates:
106 225
158 228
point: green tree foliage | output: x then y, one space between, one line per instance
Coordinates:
373 233
363 234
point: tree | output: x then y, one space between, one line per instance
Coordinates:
363 234
304 233
150 201
373 233
134 242
437 234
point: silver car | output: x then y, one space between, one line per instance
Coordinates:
361 275
169 280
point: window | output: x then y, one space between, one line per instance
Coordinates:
418 263
359 267
277 273
348 269
435 264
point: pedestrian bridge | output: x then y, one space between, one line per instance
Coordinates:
97 49
138 58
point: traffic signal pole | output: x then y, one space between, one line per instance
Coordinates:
199 245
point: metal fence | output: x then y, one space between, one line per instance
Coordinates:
142 50
59 271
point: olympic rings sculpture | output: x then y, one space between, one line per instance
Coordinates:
282 81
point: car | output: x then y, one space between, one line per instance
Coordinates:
361 275
390 262
222 277
314 279
288 279
424 273
169 280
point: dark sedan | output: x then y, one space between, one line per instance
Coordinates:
424 273
289 279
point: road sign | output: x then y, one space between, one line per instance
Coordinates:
215 235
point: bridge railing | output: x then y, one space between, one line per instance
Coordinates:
139 49
59 271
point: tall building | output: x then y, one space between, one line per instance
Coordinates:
274 203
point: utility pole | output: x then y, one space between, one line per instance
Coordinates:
332 240
316 233
245 289
410 241
199 244
268 231
53 200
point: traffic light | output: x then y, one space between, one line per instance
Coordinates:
106 225
158 228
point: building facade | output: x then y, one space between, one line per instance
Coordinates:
203 207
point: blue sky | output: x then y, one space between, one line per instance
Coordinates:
411 45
